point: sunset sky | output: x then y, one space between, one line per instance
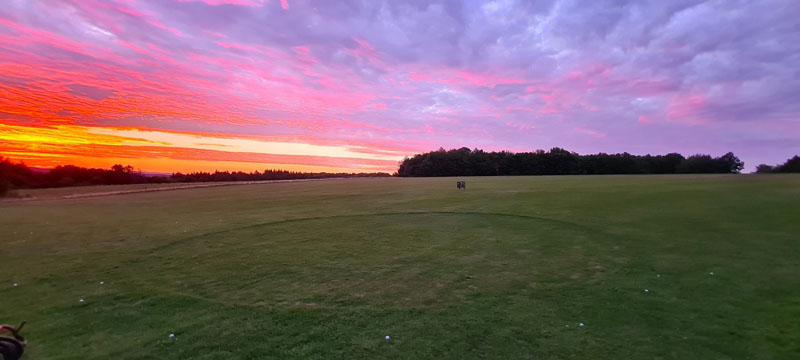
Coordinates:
185 85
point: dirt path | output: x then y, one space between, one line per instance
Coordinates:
142 190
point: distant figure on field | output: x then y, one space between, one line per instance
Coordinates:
461 184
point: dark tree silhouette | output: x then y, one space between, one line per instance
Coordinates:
764 169
729 163
18 176
790 166
558 161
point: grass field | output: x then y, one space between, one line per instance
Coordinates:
326 269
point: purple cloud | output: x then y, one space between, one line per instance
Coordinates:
610 76
90 92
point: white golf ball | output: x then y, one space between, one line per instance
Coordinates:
171 336
15 284
80 301
102 282
581 324
387 338
646 291
711 273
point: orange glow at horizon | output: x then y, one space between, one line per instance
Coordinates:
167 165
168 152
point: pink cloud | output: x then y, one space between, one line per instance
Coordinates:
482 79
519 108
582 130
31 35
215 34
450 76
161 26
255 3
687 108
164 59
520 126
367 52
304 54
533 89
414 76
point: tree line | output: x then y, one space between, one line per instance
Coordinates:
455 162
20 176
557 161
790 166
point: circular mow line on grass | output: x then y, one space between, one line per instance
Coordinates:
530 220
280 222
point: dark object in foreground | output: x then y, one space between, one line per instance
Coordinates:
11 347
461 184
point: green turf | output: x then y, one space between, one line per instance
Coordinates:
325 270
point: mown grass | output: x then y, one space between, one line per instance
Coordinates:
320 270
104 190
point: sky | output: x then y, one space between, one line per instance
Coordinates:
355 86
